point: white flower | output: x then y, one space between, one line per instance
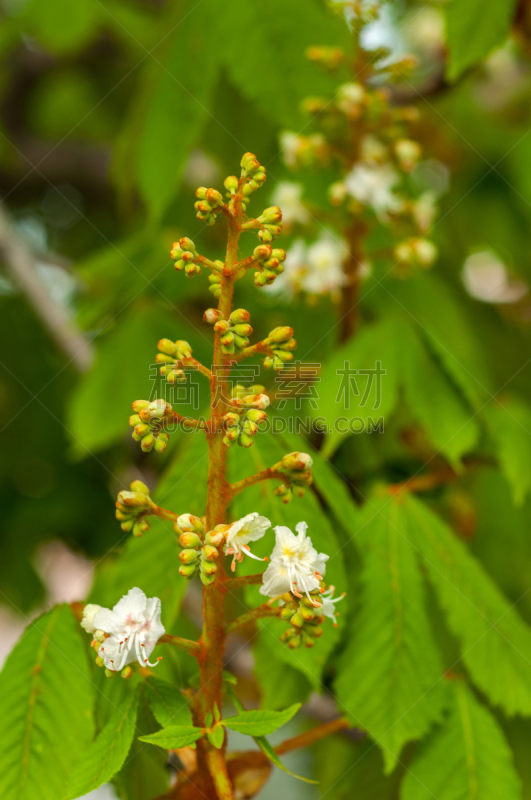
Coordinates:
329 603
133 628
486 278
247 529
287 196
424 210
88 617
325 259
295 564
371 184
290 147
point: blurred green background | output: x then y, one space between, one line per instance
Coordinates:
111 114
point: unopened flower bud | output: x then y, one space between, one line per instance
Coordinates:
408 152
212 315
208 567
187 570
239 315
187 244
189 540
231 183
127 672
256 415
139 405
189 523
209 552
281 334
297 461
138 486
188 556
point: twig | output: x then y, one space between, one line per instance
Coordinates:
20 263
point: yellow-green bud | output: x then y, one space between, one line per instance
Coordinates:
212 315
209 552
127 672
187 570
189 540
296 461
239 315
139 405
231 183
208 567
188 556
167 346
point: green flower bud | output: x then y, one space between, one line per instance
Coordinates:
139 405
305 613
297 620
256 415
286 612
186 244
139 528
239 315
189 523
243 329
187 570
127 525
295 642
260 279
188 556
221 326
209 552
141 429
272 214
249 163
281 334
241 342
208 567
245 440
127 672
189 540
167 346
109 673
231 183
134 419
206 580
160 445
133 499
296 461
99 661
147 443
138 486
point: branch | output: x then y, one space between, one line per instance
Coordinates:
164 513
206 262
264 610
20 263
313 735
265 475
244 580
184 362
193 648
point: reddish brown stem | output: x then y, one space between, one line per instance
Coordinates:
313 735
264 475
185 644
264 610
244 580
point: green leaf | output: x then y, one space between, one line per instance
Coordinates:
46 699
174 736
389 679
107 753
466 757
509 423
145 772
434 401
260 722
167 703
349 770
473 29
264 53
262 742
280 684
216 736
496 643
97 417
339 404
178 107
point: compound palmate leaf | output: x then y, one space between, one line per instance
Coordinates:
108 751
467 757
168 705
390 677
46 699
496 642
260 722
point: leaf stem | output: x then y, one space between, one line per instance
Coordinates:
264 610
185 644
313 735
264 475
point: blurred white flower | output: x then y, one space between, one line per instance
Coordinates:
247 529
425 28
287 195
371 185
486 278
132 629
325 259
315 269
295 564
